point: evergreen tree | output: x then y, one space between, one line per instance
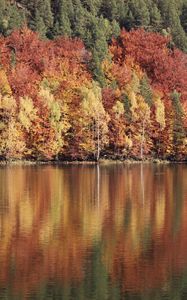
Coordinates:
10 17
16 18
122 11
183 17
80 20
178 129
62 25
39 25
128 23
170 14
93 6
41 17
155 17
146 91
115 28
140 13
127 107
3 18
109 9
99 46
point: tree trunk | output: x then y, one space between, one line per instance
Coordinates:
142 140
98 139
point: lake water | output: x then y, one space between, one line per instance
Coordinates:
93 233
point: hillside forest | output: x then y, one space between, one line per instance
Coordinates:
84 80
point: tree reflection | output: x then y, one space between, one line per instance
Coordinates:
88 231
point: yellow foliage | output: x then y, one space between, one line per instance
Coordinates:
59 115
143 109
27 112
46 96
92 103
135 83
50 82
4 84
92 100
94 111
107 69
118 109
8 103
15 144
134 105
132 90
128 142
160 112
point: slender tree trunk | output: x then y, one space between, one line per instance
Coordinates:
98 138
142 140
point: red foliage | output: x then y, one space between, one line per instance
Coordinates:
109 98
27 59
167 68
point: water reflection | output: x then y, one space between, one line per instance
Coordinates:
90 232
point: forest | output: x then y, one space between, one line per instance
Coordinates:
84 80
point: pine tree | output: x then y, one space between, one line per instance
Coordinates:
128 23
62 25
140 13
183 17
10 17
16 18
178 129
41 19
109 9
155 17
178 33
39 25
93 6
3 19
170 14
146 91
115 28
80 20
127 107
122 11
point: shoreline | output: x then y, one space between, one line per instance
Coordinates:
85 162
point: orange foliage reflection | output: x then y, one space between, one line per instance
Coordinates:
51 218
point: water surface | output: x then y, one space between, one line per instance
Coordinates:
93 233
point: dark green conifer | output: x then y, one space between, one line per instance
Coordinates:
171 19
38 25
183 17
62 25
155 18
93 6
146 91
41 17
80 21
140 13
10 17
127 107
3 18
109 9
178 129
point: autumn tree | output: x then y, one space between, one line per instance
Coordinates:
93 108
178 128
